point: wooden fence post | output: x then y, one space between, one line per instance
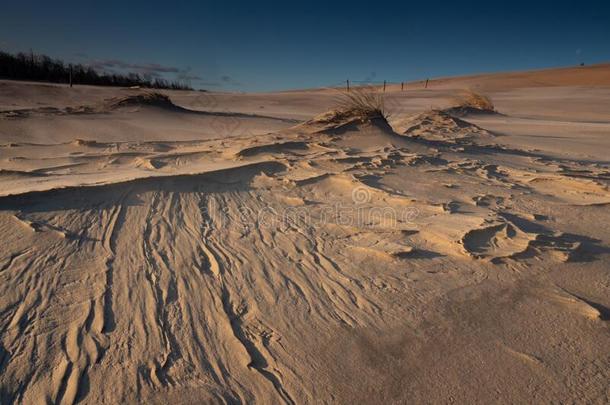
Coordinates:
426 83
70 75
384 86
402 86
348 85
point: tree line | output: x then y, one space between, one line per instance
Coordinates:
36 67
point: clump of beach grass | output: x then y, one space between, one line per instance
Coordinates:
473 101
367 103
145 98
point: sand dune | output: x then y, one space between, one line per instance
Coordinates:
154 251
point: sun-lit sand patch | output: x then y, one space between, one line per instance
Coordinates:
179 254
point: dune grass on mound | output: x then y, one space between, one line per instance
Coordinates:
363 102
472 102
360 105
146 98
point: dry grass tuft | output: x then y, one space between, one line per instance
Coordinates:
146 98
363 103
472 100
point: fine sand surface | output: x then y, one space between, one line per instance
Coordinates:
273 248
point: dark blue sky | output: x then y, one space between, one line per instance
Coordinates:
264 45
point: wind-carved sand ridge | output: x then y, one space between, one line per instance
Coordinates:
345 257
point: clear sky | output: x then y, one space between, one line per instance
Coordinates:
262 45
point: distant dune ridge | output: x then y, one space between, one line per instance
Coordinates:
431 245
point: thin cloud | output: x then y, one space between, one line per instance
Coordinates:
209 84
156 70
145 68
149 71
187 76
223 81
228 80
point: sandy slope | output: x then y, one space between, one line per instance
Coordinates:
235 249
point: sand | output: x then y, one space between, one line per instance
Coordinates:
269 248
